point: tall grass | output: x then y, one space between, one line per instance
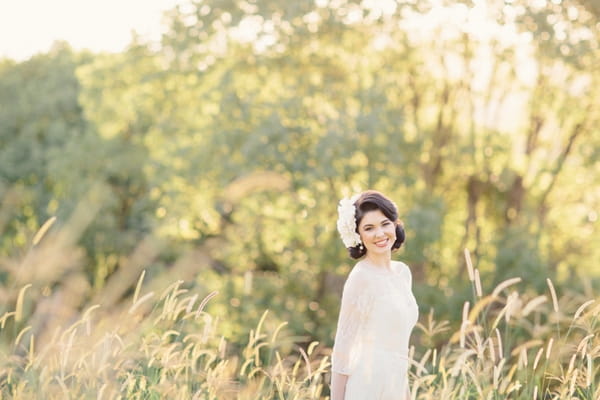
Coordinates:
513 345
509 345
156 348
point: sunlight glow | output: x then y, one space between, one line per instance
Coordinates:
31 26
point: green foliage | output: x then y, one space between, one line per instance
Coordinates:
39 119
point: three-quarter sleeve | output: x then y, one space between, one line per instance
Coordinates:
356 304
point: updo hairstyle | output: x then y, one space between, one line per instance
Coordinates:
373 200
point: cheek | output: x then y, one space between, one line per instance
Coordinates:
365 236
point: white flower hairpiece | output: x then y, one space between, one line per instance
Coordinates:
346 223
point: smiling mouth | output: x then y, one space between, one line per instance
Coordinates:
381 243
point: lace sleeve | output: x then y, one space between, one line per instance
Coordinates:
357 302
408 275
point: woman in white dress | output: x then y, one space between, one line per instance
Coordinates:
378 310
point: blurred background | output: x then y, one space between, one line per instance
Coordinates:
215 152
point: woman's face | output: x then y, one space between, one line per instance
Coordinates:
377 232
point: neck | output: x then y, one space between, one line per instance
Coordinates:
380 260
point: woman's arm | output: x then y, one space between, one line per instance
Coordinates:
338 386
354 311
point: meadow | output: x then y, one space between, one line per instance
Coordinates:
510 345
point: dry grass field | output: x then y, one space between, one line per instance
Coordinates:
510 345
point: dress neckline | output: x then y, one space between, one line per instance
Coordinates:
379 270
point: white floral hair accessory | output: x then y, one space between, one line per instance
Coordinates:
346 223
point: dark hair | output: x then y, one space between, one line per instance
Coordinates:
374 200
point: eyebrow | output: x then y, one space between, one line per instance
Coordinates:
382 221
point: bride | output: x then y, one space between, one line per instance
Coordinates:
378 310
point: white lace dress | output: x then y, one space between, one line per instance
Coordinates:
377 315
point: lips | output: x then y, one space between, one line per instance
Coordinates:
382 243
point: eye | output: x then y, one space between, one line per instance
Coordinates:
386 223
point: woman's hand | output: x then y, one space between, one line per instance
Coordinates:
338 386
